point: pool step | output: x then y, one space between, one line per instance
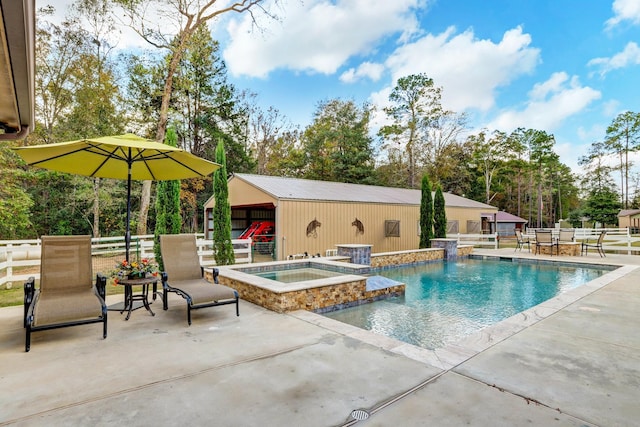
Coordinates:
375 283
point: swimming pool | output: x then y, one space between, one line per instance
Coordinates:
446 301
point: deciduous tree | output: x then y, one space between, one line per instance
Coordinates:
421 126
181 21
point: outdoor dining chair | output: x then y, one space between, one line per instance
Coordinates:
545 238
598 245
566 235
184 276
66 296
522 240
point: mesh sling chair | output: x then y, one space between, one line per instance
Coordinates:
566 235
67 296
598 245
184 276
522 240
545 238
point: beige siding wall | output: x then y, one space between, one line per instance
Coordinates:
293 217
241 193
624 221
462 215
629 221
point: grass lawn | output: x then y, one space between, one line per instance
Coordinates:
15 295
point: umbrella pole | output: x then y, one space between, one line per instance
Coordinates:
127 235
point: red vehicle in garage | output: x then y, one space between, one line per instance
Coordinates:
262 233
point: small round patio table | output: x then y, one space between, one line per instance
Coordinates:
129 297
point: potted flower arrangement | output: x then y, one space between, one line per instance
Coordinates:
134 270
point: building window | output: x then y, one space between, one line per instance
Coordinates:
392 228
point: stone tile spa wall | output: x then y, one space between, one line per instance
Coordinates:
311 299
405 257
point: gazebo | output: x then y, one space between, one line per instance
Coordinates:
504 222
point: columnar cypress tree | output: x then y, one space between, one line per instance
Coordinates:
222 246
426 214
439 214
168 219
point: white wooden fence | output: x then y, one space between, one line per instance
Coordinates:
616 239
490 240
26 253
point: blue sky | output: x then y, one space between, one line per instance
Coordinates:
568 67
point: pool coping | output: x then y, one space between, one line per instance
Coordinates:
452 355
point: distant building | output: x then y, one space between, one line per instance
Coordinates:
314 216
505 222
629 218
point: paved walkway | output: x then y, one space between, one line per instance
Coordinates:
574 360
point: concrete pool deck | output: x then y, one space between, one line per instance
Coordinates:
574 360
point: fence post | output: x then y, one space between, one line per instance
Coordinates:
143 253
9 265
200 245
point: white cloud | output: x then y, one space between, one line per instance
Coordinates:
629 56
316 35
365 70
611 107
592 133
550 103
570 153
624 10
469 70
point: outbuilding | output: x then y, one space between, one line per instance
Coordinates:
314 216
504 222
629 218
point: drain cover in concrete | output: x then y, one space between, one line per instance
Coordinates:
359 414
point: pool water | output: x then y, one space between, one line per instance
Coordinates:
298 274
444 302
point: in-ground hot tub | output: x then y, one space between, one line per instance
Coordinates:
310 284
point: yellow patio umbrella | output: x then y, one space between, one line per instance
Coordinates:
119 157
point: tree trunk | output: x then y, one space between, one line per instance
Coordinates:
163 118
145 201
626 170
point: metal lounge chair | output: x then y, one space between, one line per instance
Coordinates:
598 245
522 240
184 276
545 238
67 296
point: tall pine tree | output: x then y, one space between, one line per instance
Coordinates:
426 214
222 246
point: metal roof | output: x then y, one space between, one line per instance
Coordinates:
306 189
628 212
503 216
